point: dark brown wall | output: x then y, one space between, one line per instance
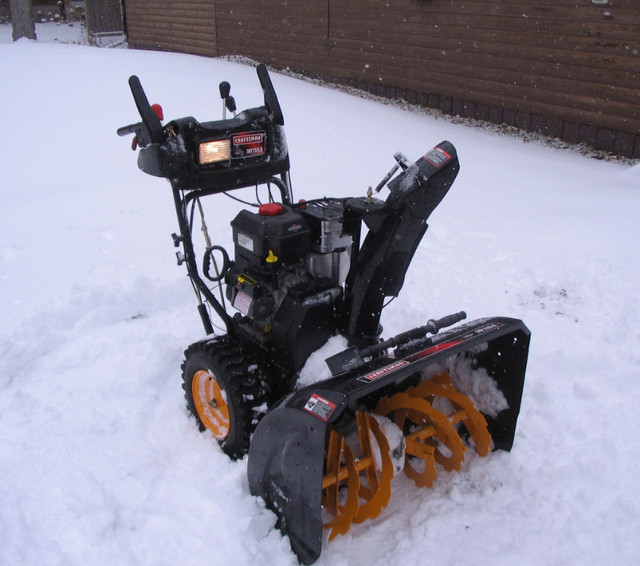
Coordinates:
569 68
172 25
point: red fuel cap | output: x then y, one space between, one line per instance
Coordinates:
271 209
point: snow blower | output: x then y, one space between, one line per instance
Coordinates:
323 456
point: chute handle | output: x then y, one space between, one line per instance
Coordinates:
433 326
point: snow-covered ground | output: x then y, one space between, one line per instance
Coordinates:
99 461
63 32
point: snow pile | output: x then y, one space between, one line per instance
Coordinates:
397 443
316 369
71 32
474 382
99 461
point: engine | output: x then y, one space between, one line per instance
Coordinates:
287 280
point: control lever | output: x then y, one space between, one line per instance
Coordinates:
228 102
386 178
402 160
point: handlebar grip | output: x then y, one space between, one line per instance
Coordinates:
449 320
225 89
149 117
130 129
270 98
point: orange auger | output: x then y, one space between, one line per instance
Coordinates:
431 428
357 482
367 482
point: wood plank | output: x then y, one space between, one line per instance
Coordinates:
443 24
488 92
512 71
532 10
552 61
412 33
393 72
566 77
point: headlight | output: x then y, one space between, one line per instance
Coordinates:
214 151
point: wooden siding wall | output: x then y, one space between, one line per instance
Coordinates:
172 25
567 68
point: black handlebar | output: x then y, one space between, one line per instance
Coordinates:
150 130
154 130
270 98
130 129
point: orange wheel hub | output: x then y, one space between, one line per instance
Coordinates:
211 404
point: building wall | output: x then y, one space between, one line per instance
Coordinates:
568 68
172 25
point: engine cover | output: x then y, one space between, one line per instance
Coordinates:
284 237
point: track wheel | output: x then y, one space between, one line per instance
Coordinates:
223 391
357 482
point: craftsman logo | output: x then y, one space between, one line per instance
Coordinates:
248 144
320 407
377 374
243 139
437 156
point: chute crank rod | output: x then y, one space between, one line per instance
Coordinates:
352 358
432 327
